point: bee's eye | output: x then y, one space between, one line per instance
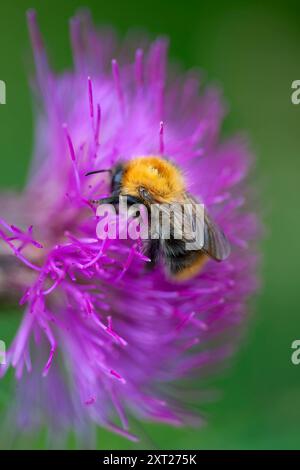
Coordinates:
144 193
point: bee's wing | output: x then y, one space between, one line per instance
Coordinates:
216 243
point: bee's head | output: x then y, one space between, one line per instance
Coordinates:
152 179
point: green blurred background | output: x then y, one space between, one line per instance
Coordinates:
252 48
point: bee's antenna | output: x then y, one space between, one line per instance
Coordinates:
98 171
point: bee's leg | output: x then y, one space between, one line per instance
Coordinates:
115 200
132 200
106 200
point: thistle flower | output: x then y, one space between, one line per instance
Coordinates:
100 337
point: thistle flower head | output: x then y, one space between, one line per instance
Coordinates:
100 336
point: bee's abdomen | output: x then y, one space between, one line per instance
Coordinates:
183 264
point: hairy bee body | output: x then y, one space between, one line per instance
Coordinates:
154 180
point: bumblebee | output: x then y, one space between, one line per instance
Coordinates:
154 180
